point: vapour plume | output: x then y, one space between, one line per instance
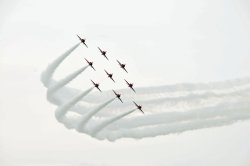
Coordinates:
88 115
110 121
62 110
66 80
50 70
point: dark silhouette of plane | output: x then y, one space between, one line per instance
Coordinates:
122 65
110 75
82 40
118 96
139 107
103 53
130 85
96 85
90 63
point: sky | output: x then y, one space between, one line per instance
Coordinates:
162 42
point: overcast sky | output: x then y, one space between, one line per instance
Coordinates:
162 42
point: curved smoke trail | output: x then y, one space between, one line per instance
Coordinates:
169 109
62 110
87 117
46 77
110 121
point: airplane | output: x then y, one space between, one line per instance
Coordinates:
130 85
103 53
90 63
110 75
122 65
96 85
139 107
82 40
118 96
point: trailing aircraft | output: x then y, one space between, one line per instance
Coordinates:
139 107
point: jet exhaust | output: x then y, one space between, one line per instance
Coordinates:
110 121
88 116
62 110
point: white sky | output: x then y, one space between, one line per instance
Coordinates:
162 42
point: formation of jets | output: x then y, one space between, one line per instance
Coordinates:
110 75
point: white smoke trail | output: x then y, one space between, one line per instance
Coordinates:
87 117
62 110
110 121
46 77
57 85
179 127
66 80
169 109
222 110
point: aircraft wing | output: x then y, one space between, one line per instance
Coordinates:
99 49
92 67
125 69
141 111
78 37
86 60
135 104
133 89
99 89
106 57
120 99
114 92
126 81
85 44
119 62
112 79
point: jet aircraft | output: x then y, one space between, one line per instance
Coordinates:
90 63
110 75
103 53
130 85
122 66
96 85
118 96
82 40
139 107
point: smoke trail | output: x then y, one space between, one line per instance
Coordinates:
87 117
50 70
229 84
110 121
62 110
178 127
222 110
65 81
